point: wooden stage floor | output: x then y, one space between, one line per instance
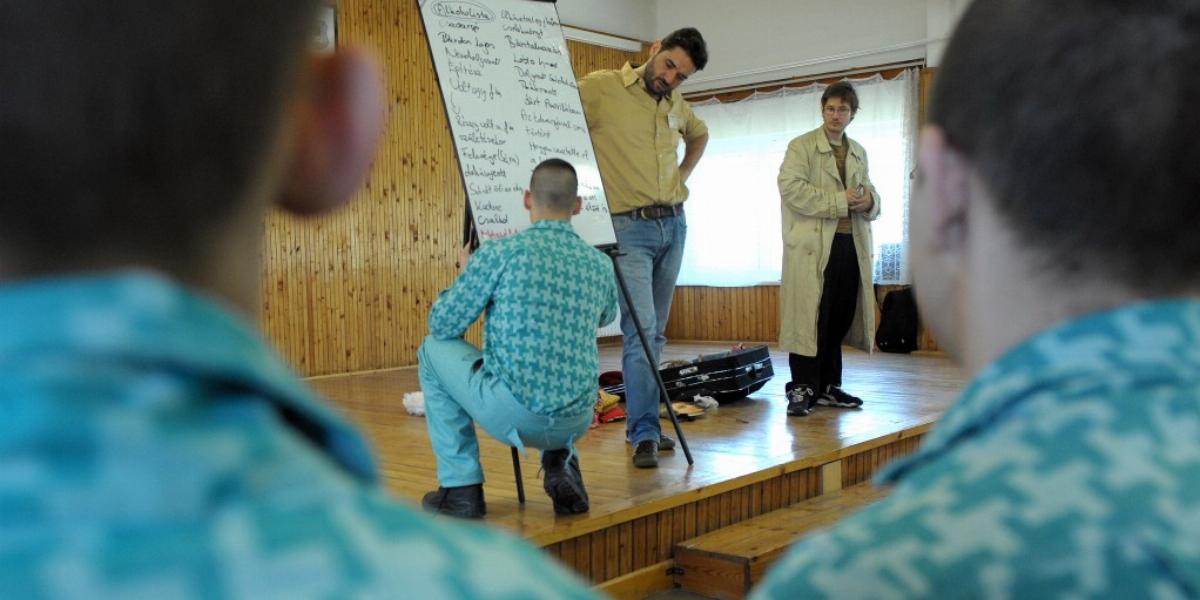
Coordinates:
740 443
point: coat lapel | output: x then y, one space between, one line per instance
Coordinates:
854 164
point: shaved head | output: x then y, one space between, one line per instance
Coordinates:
554 185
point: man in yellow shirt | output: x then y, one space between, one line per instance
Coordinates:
637 119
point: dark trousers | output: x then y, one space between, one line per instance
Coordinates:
839 298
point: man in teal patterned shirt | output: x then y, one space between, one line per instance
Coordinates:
151 445
545 291
1054 254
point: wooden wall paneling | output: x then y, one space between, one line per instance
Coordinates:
612 558
726 314
749 314
712 515
695 520
678 524
650 538
726 510
352 291
666 529
598 555
583 555
626 549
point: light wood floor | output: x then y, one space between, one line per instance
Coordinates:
741 438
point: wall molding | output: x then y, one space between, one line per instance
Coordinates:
701 83
605 40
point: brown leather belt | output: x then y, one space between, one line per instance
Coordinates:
654 211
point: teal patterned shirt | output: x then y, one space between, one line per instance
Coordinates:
151 446
545 291
1070 468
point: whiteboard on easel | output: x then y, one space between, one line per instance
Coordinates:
511 99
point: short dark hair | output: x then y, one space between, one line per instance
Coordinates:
1079 117
554 185
136 127
843 91
690 40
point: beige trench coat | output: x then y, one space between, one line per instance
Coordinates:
813 198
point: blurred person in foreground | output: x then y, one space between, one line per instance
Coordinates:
151 445
1054 255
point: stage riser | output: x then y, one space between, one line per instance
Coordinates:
725 564
626 547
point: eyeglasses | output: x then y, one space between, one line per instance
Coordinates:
840 110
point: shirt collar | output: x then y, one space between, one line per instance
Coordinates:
631 75
1093 352
824 147
553 225
142 318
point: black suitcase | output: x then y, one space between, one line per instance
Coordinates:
726 376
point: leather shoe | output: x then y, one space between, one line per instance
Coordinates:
464 502
645 455
563 482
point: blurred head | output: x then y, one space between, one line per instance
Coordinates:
1064 133
839 104
553 189
673 59
139 133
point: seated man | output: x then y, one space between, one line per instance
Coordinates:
1055 255
545 291
151 445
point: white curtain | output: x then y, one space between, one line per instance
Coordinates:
733 213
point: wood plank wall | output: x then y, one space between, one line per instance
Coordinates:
744 314
351 291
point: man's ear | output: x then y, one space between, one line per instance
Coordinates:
654 48
578 205
528 200
947 183
337 119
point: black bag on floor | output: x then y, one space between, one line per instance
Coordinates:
725 376
898 322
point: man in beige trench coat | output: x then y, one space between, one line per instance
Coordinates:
826 295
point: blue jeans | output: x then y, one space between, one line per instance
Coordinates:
459 392
652 250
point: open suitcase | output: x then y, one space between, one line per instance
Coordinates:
726 376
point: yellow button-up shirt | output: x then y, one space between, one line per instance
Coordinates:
637 137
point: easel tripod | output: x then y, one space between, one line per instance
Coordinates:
613 252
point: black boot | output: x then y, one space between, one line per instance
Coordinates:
563 482
801 399
464 502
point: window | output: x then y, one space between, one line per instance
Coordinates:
733 213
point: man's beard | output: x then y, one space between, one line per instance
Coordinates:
649 78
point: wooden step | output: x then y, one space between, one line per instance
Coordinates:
725 563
